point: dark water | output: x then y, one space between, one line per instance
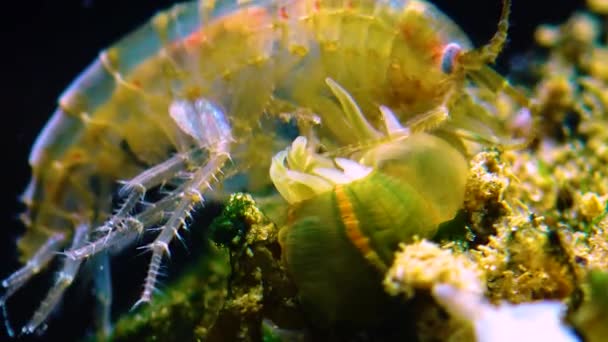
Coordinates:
47 43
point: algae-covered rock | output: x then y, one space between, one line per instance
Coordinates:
258 287
187 309
421 265
229 292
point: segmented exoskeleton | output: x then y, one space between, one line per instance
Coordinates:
199 95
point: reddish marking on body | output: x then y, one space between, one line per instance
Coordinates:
351 223
437 52
429 44
76 156
195 39
283 13
241 20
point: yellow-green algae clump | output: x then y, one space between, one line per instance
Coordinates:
227 295
533 228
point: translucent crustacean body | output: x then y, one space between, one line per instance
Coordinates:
202 94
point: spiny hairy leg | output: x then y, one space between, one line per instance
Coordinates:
188 199
128 232
189 175
64 279
114 237
208 125
133 190
130 229
39 261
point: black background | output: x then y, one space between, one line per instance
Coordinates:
47 43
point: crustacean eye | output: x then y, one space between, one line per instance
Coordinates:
449 57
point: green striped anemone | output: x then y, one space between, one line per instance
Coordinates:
349 213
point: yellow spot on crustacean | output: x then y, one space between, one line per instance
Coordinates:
353 232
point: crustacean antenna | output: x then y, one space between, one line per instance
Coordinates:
477 58
475 62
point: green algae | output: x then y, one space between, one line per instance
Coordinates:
591 318
187 309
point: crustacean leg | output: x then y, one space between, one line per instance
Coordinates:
193 170
64 279
38 262
33 266
103 294
65 276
